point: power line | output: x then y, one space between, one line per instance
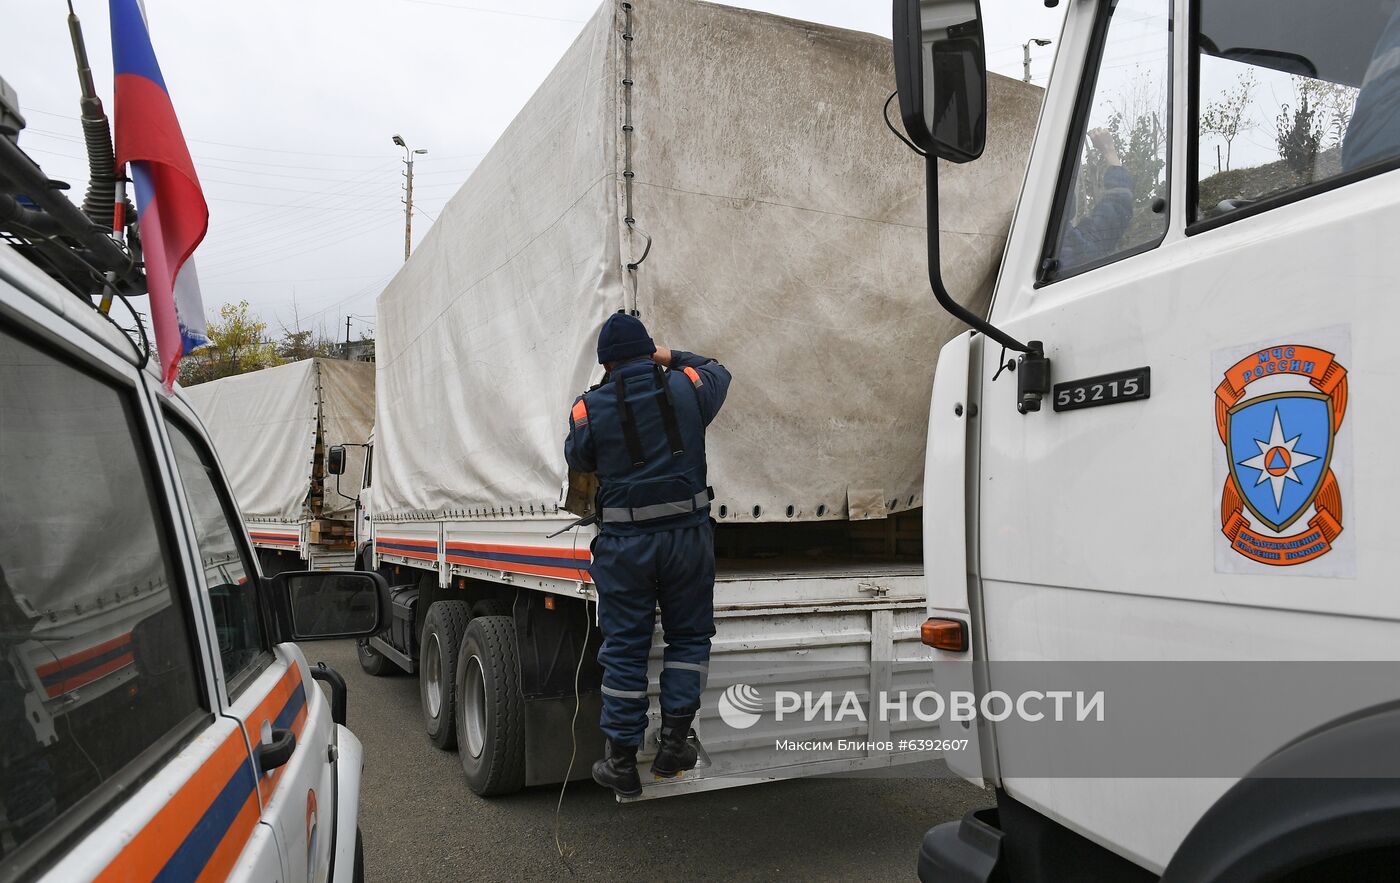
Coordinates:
293 281
258 225
298 248
576 21
358 294
232 144
327 208
64 136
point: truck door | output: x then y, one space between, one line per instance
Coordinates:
285 718
1209 262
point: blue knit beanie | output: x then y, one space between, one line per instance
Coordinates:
623 337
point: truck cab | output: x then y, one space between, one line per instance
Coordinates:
156 720
1163 452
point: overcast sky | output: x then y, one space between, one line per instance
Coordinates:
289 108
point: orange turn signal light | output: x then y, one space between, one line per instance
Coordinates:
944 634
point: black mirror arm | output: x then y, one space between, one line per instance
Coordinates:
1033 378
935 274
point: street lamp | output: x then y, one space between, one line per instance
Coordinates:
408 201
1026 55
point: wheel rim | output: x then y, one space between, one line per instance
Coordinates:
432 672
474 707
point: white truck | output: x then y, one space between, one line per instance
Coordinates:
1178 488
658 170
272 429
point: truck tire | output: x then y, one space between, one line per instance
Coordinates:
372 661
491 607
490 710
437 670
358 874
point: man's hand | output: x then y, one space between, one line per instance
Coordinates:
662 357
1102 139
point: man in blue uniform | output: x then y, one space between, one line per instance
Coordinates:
642 430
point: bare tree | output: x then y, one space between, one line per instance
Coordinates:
1229 115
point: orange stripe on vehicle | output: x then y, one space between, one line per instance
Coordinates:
92 674
267 711
231 847
271 781
274 539
550 551
49 668
515 567
147 853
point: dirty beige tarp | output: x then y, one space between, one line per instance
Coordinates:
787 241
263 425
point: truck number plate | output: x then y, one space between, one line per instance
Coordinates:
1105 389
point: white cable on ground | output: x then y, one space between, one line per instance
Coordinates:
573 736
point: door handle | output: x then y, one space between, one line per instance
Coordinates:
274 754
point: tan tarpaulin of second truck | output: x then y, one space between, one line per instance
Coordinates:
787 239
264 426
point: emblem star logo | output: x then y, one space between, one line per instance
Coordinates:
1278 461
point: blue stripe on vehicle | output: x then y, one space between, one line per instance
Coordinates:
512 558
78 668
426 547
194 851
291 709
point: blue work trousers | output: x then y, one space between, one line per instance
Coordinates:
674 569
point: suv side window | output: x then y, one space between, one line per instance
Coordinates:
1113 192
1291 102
99 675
243 647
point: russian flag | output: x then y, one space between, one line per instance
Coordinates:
173 213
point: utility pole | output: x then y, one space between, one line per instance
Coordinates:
347 337
1026 55
408 199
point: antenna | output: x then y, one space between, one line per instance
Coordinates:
99 203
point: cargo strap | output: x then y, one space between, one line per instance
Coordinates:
658 510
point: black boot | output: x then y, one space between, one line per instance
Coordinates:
618 770
676 754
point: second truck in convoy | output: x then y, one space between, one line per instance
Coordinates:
274 429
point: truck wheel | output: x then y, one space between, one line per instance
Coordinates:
437 669
358 874
491 713
374 663
491 607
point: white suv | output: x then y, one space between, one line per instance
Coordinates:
154 721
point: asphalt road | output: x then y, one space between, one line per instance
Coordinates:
421 823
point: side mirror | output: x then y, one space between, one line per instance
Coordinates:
319 605
335 460
940 68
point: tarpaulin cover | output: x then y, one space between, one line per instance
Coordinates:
787 239
264 423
